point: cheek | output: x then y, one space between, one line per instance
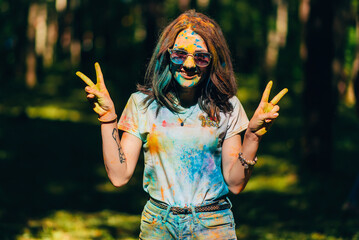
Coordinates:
174 67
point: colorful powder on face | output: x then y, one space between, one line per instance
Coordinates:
191 42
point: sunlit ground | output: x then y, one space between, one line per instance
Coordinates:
278 203
108 224
64 225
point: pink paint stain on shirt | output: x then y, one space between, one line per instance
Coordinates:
164 123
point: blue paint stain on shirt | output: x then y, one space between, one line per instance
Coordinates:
187 169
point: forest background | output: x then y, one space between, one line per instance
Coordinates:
53 183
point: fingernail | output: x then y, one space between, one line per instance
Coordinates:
276 114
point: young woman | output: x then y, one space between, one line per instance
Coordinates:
188 121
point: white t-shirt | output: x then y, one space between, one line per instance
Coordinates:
183 164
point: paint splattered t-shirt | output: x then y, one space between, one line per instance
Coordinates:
182 163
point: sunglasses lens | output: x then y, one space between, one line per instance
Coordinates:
178 57
202 59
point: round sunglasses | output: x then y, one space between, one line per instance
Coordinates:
178 56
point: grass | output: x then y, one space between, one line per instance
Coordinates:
53 183
81 225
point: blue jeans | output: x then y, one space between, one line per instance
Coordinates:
157 223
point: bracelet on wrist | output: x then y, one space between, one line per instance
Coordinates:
108 121
246 163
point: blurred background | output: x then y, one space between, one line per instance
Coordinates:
53 183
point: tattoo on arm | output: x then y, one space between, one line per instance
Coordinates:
120 152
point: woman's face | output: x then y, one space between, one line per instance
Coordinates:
189 74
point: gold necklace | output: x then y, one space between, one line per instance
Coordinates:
182 121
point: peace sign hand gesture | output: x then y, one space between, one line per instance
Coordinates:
98 94
266 112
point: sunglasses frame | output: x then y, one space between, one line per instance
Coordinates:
170 51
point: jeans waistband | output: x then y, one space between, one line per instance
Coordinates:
220 204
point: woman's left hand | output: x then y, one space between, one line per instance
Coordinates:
266 112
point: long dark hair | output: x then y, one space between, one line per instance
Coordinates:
221 83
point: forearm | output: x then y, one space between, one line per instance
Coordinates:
237 175
250 145
113 155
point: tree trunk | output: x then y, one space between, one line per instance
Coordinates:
355 70
319 107
153 12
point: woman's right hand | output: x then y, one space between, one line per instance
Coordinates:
98 94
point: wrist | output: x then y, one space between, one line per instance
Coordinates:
108 117
247 163
251 136
108 121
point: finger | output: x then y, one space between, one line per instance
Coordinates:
99 110
99 74
268 107
85 79
90 96
275 109
266 92
279 96
261 131
92 90
268 117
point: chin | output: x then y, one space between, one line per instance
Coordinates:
188 83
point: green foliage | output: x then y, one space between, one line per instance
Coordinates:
53 182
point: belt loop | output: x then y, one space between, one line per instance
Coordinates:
230 203
196 220
166 214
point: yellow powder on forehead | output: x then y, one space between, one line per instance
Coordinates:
190 41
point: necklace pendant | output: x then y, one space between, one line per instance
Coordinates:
182 124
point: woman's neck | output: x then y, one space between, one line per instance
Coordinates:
187 96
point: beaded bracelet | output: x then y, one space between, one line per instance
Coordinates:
246 163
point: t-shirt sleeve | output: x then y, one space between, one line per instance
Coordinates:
130 118
238 120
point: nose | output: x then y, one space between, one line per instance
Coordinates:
189 62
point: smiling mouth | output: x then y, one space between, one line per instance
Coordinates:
189 75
